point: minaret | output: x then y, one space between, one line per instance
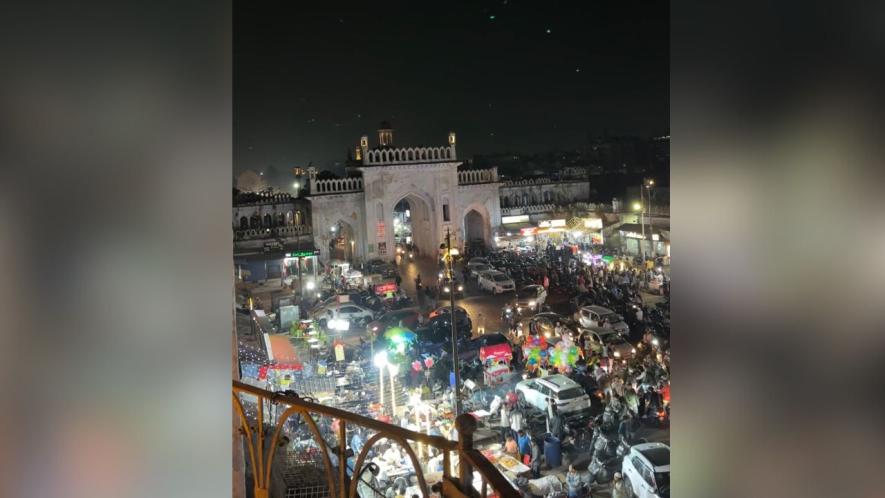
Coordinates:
385 134
364 147
452 144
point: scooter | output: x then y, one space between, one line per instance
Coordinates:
625 444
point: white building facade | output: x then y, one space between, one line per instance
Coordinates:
358 211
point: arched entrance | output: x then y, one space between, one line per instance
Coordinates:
476 232
342 242
412 223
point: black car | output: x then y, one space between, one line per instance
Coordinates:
462 317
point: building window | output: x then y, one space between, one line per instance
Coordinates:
244 223
446 212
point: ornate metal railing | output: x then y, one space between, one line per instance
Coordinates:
261 452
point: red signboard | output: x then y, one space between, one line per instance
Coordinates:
528 231
385 288
379 230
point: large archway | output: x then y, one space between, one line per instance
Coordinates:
412 223
476 231
342 242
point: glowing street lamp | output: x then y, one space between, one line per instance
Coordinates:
637 206
393 368
380 361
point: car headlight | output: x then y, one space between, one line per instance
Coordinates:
447 289
531 303
617 354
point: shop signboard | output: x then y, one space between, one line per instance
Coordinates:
596 239
595 223
522 218
384 288
303 254
551 224
528 231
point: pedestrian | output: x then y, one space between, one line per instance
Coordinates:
536 459
573 480
619 487
523 443
418 282
504 424
556 424
517 422
510 447
399 280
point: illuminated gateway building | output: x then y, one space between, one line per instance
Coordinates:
395 193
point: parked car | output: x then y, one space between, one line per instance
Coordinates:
405 318
530 298
592 316
476 270
609 342
569 397
646 470
476 262
347 311
496 282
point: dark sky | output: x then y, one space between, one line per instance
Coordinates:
310 77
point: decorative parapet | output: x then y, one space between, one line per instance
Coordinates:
408 155
336 185
474 176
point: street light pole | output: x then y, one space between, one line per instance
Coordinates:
456 364
642 224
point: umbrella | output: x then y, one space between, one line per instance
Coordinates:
400 334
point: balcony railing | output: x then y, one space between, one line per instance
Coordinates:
261 451
272 232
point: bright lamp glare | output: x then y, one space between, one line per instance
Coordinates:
380 359
311 285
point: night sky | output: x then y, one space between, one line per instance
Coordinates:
512 75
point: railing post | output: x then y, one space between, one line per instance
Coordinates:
342 458
465 424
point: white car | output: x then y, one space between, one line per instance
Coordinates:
476 262
346 311
476 270
646 470
591 316
495 281
568 395
530 297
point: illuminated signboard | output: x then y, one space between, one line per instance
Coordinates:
528 231
522 218
552 224
303 254
385 288
593 223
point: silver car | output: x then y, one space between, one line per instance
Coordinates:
597 316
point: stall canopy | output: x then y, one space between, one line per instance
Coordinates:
281 349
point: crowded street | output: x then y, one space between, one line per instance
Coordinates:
563 383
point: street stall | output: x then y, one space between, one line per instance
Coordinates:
496 363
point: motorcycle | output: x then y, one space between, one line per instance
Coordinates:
601 470
507 316
624 445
